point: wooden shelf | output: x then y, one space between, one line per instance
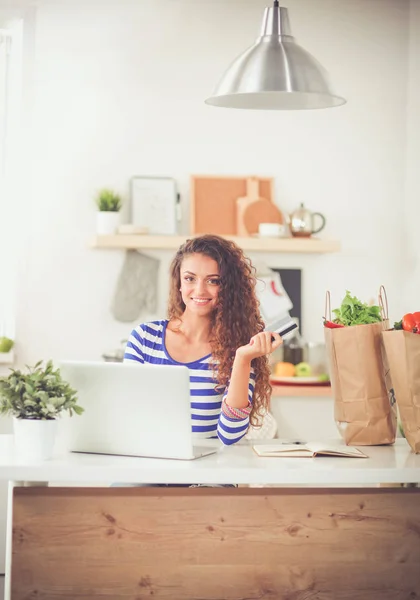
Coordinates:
172 242
302 390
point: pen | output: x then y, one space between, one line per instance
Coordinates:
295 443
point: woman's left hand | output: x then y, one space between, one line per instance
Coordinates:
259 345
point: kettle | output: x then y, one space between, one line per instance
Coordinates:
302 222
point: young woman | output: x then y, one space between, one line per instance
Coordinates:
214 327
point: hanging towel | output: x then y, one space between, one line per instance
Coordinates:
136 289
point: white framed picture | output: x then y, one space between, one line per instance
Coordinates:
155 204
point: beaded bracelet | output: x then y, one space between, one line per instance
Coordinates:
236 413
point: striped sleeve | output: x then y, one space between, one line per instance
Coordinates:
134 349
231 429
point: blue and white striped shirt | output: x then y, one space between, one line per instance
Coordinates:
146 344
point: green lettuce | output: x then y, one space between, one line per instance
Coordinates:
354 312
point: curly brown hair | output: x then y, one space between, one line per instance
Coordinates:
237 316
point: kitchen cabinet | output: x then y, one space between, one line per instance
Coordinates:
303 417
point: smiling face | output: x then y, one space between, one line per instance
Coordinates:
200 283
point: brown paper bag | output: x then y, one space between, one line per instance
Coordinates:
403 353
364 408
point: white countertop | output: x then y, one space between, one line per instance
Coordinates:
234 464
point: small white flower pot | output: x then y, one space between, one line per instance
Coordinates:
34 438
107 222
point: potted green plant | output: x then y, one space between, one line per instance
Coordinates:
6 349
35 399
109 205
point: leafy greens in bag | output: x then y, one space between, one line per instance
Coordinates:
354 312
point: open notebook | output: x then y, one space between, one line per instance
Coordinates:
309 450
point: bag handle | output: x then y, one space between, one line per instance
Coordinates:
327 310
383 303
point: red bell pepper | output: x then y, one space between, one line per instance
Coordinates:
331 324
411 322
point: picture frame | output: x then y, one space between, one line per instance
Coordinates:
154 204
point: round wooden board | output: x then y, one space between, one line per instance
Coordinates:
261 211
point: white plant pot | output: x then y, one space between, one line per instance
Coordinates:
34 438
107 222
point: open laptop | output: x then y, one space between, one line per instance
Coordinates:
132 410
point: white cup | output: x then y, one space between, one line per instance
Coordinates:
271 229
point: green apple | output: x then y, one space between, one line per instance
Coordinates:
303 370
6 344
323 377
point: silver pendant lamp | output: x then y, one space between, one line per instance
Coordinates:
275 73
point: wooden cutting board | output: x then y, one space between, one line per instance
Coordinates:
260 211
251 210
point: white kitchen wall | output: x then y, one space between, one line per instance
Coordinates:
412 287
117 88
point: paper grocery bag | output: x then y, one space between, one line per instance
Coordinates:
364 405
403 354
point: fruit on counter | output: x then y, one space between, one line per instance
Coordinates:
303 370
284 369
6 344
323 377
354 312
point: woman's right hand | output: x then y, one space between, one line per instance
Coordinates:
259 345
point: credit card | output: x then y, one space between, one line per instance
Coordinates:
283 327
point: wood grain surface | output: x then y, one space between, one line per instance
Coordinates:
206 544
